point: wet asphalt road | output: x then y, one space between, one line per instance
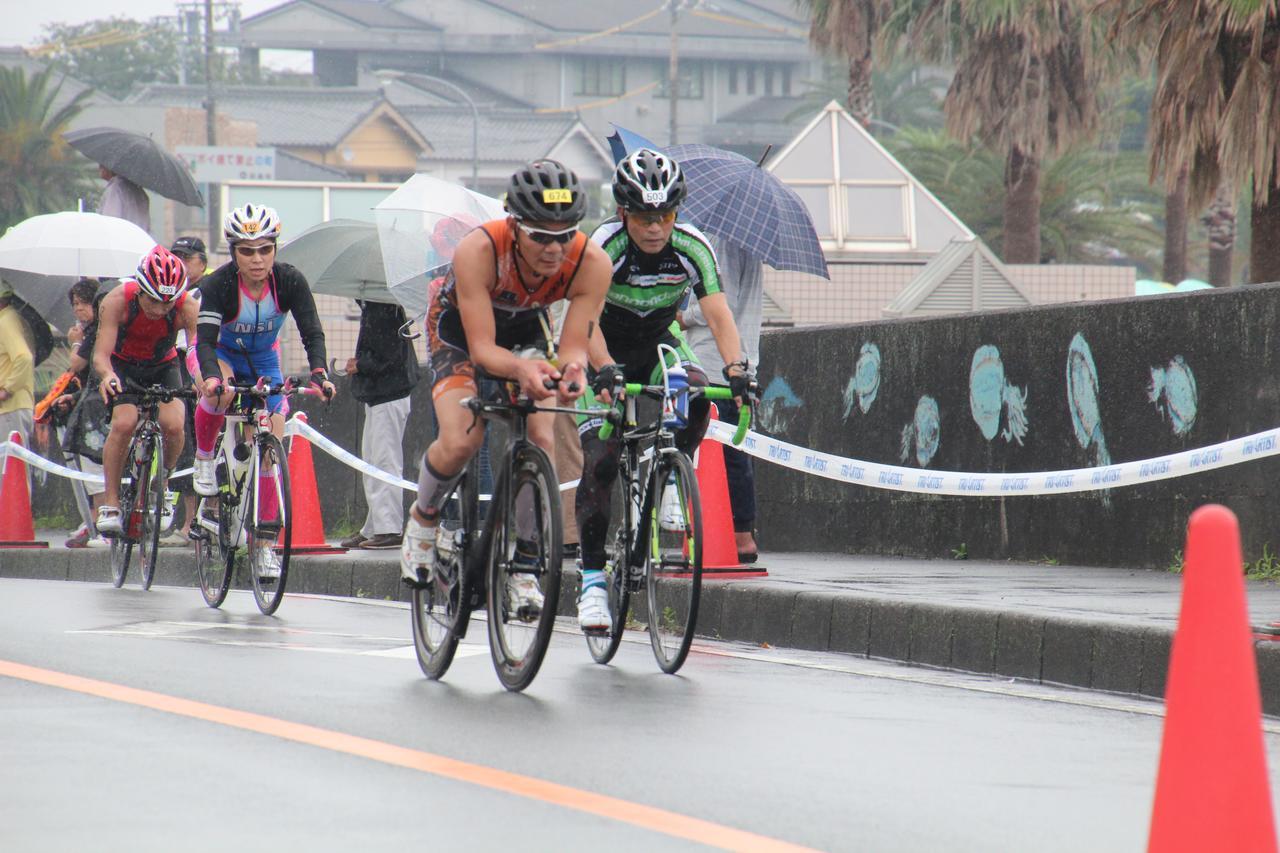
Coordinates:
819 751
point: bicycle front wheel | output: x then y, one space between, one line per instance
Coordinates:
674 564
122 542
523 566
151 509
268 483
603 646
215 549
441 610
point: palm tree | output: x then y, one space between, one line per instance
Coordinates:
1026 82
1214 112
39 172
902 94
847 29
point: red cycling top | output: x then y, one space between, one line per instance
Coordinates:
140 340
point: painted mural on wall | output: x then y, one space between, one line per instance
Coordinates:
864 385
990 393
924 432
1082 400
1173 390
778 406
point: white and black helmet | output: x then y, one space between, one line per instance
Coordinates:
647 180
251 222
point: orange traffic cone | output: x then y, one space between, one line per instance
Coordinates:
719 547
308 528
17 525
1212 791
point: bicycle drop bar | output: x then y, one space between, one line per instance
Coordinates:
711 392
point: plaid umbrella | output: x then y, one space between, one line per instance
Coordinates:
734 198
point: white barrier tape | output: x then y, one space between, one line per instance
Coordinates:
304 429
37 461
923 481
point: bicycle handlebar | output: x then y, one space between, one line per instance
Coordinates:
614 417
157 391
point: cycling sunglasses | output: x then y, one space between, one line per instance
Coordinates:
647 219
545 238
250 251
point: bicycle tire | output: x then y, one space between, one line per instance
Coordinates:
151 511
122 543
215 553
603 646
268 592
518 646
440 612
673 563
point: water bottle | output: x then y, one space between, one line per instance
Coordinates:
675 408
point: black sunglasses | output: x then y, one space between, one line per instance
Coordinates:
250 251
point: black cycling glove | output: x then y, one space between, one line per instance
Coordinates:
605 378
743 385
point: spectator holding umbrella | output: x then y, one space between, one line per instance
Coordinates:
124 199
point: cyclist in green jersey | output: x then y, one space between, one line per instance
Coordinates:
656 261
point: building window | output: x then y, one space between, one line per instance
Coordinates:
733 78
751 79
600 76
768 80
690 82
786 81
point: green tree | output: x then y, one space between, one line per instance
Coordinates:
904 96
847 29
1214 112
115 54
1096 206
1026 82
39 172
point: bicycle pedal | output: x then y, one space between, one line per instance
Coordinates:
596 632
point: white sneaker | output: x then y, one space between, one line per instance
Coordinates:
206 476
593 610
109 520
167 511
524 596
268 563
671 515
418 552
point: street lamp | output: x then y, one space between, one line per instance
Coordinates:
393 74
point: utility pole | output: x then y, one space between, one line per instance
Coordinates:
673 79
213 202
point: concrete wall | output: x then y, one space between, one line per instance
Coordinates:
1053 388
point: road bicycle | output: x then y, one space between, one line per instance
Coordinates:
476 556
250 458
142 490
657 546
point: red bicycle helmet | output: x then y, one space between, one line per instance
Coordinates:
162 275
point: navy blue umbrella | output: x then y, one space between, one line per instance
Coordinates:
736 199
622 142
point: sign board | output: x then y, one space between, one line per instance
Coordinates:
219 163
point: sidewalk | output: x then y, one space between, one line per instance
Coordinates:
1103 629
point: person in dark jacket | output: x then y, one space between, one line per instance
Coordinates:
383 373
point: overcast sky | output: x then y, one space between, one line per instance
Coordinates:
24 20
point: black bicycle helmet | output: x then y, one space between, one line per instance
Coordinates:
647 180
546 191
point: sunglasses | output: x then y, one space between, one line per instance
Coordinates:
250 251
545 238
647 219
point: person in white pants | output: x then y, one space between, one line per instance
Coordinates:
383 373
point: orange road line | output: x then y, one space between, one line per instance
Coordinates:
644 817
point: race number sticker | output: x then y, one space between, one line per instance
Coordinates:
557 196
655 196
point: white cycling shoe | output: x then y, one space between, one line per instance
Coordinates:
593 611
671 514
205 476
418 552
109 521
524 596
268 563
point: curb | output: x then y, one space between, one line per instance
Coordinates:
1111 656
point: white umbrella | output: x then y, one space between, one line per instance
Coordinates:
74 244
343 257
418 227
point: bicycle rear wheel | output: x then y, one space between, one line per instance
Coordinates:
603 646
674 563
441 610
151 509
268 584
215 549
524 521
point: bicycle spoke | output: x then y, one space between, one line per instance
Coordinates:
674 568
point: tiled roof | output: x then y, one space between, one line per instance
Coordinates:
291 168
574 16
503 134
776 108
285 115
368 13
483 95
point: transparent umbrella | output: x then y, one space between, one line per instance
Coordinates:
419 225
343 257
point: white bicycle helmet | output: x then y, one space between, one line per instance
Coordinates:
251 222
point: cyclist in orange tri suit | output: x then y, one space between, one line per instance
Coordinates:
137 324
505 275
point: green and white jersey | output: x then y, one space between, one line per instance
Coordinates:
647 290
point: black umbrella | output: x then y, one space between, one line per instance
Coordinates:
139 159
